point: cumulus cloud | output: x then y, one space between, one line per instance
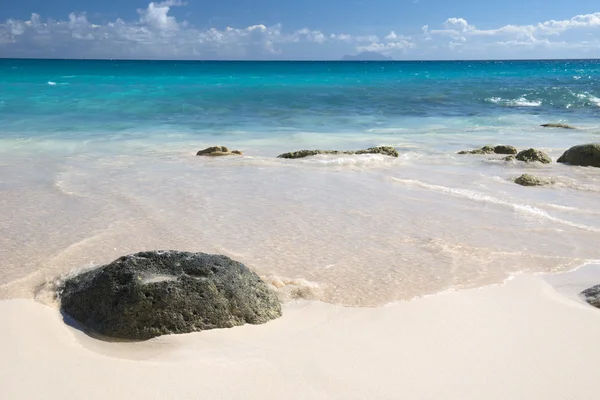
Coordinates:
156 33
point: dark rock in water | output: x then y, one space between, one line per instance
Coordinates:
510 158
218 151
155 293
592 296
586 155
533 155
385 150
505 149
530 180
502 149
308 153
563 126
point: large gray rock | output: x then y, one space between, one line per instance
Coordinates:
501 149
533 155
587 155
385 150
154 293
592 295
530 180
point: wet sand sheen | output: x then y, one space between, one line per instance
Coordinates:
358 230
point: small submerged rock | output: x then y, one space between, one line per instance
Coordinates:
592 296
530 180
218 151
533 155
585 155
385 150
148 294
501 149
563 126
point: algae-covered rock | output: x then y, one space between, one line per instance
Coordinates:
385 150
218 151
530 180
592 296
154 293
483 150
504 149
501 149
586 155
563 126
533 155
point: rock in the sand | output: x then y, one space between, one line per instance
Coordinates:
155 293
385 150
501 149
533 155
586 155
218 151
563 126
592 295
530 180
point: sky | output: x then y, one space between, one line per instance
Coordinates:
300 30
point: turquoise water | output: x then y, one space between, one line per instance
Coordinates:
97 160
78 98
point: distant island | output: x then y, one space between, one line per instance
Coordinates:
367 56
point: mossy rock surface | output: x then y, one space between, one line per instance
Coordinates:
500 149
530 180
533 155
216 151
385 150
585 155
148 294
562 126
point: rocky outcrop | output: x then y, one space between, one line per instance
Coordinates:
385 150
533 155
563 126
154 293
530 180
586 155
501 149
592 296
218 151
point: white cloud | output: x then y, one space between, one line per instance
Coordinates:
156 15
156 33
458 24
387 48
391 36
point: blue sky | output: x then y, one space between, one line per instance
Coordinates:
309 29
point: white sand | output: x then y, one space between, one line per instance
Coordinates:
522 340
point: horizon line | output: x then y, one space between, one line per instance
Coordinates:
298 60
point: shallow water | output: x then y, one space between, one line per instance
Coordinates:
104 165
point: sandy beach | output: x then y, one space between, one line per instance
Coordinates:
531 337
422 273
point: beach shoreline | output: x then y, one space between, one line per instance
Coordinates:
530 337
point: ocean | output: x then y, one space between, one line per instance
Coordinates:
97 160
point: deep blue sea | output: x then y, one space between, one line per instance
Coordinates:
97 160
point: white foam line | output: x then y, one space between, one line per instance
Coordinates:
472 195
